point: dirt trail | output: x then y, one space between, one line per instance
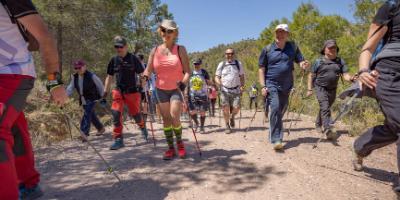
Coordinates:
237 166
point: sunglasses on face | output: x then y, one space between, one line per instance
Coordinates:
78 68
167 31
118 47
229 54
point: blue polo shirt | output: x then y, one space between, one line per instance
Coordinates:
279 65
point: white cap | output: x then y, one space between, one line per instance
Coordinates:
284 27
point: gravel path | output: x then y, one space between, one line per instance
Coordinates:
237 166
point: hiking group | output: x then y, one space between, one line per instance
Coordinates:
166 85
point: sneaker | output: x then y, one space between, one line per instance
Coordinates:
228 129
145 133
357 162
331 134
30 193
202 130
232 123
181 150
318 128
101 132
278 146
118 143
169 154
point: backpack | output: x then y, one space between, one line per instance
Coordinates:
395 11
132 86
320 62
224 64
33 44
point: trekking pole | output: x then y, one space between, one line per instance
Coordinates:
345 109
240 112
151 123
252 119
109 168
219 108
194 132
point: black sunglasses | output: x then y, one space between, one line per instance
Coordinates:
229 53
118 47
168 31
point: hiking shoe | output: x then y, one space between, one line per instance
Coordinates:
357 162
145 133
30 193
169 154
278 146
101 132
181 150
331 134
118 143
228 129
232 123
202 130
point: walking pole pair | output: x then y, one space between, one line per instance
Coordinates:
345 109
194 132
109 168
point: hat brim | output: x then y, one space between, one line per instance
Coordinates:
287 31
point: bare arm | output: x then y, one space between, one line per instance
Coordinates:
107 85
150 68
348 77
48 49
261 76
309 81
185 64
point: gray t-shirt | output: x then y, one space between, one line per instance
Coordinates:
230 74
198 83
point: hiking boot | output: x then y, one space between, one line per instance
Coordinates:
232 123
228 129
101 132
169 154
145 133
181 150
357 162
118 143
331 134
278 146
30 193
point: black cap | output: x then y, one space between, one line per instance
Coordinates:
197 62
329 44
120 41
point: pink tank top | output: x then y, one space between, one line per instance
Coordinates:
168 69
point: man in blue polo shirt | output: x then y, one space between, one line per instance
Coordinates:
276 78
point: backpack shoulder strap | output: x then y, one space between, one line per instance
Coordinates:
319 62
237 65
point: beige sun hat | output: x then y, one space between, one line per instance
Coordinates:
169 24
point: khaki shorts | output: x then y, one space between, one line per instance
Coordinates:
230 99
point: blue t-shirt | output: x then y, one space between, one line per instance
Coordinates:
279 65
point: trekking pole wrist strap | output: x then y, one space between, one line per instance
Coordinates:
53 81
361 71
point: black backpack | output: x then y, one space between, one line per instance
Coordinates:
224 64
126 73
28 37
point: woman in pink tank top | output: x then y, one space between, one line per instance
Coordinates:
170 63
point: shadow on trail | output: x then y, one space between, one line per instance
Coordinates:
146 175
381 175
306 140
132 189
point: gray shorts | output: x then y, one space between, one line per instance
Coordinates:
164 96
230 99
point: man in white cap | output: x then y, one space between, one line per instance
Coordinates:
276 78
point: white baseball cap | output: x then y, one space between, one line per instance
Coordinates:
284 27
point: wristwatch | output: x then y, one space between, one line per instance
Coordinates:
54 80
362 71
